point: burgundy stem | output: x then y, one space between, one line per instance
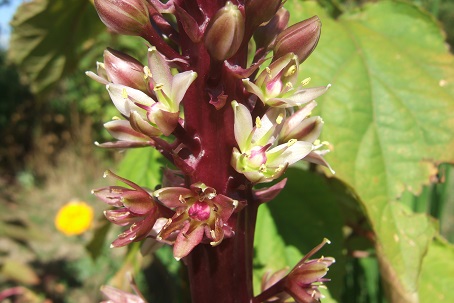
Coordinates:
222 273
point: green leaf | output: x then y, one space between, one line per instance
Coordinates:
389 119
97 243
50 36
142 166
304 213
436 276
19 272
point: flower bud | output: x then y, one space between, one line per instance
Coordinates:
260 11
124 69
127 17
307 276
300 39
225 32
265 34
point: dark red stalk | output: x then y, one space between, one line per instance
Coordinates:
222 273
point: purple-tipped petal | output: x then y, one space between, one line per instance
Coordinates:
171 196
185 242
142 126
122 130
119 296
268 194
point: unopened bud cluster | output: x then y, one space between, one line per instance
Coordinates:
217 94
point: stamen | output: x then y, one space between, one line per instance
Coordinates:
291 142
258 122
306 81
124 93
279 119
314 292
290 71
158 86
279 169
147 72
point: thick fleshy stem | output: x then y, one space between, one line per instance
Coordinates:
224 272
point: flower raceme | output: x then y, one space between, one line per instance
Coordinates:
202 56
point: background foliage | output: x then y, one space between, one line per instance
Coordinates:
388 210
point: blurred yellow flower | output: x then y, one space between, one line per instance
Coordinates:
74 218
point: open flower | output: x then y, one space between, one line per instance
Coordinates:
259 157
303 281
275 85
300 126
200 214
134 207
74 218
152 100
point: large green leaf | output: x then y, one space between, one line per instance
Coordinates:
436 275
142 166
50 36
389 118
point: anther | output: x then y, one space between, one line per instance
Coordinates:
124 93
279 118
290 71
258 122
306 81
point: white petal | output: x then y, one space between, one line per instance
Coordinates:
291 154
180 85
304 96
254 89
242 125
160 70
122 130
123 97
96 77
269 128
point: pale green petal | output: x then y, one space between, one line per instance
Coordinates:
254 89
122 130
293 153
160 70
122 98
242 125
303 96
180 85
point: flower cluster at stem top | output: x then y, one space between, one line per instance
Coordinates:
270 124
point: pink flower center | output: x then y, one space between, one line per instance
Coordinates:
199 211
